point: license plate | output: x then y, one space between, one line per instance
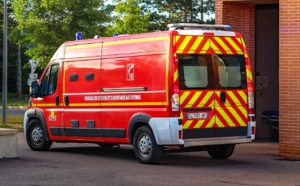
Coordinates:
202 115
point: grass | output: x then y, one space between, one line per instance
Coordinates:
13 100
12 121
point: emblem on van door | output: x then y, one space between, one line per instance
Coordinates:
130 72
52 116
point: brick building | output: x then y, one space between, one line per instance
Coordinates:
271 29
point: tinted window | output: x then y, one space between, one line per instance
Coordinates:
230 70
49 81
206 71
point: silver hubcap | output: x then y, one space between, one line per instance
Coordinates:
145 145
37 135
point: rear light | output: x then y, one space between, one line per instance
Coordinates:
250 99
179 134
252 130
174 96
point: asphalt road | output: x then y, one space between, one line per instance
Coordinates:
89 164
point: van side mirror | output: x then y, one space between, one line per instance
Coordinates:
34 89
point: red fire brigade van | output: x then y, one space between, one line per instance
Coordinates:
188 88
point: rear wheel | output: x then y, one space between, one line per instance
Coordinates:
35 136
145 148
222 152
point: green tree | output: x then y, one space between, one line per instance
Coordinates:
14 71
129 18
43 25
163 12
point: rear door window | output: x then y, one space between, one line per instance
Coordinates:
230 70
207 71
194 71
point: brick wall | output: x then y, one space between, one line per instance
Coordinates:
289 79
242 19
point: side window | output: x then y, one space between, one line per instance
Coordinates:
49 81
231 71
193 71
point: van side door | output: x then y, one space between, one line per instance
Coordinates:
50 98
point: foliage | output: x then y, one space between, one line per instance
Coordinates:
13 100
129 19
163 12
43 25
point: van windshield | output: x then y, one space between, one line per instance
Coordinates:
206 71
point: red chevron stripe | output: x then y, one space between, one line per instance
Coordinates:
218 45
239 97
179 42
240 45
229 114
210 100
201 45
234 106
193 124
222 120
206 122
200 98
190 44
186 101
229 45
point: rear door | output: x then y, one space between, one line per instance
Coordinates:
231 95
213 89
197 95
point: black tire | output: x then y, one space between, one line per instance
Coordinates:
35 136
145 148
222 152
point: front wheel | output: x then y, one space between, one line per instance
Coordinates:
35 136
222 152
145 148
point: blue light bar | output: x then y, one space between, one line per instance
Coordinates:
228 26
79 36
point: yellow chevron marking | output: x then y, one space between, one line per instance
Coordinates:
205 48
234 98
239 50
225 117
219 123
194 98
211 123
205 99
196 44
184 44
244 45
175 75
237 116
243 95
225 47
187 124
199 124
249 74
215 48
183 97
